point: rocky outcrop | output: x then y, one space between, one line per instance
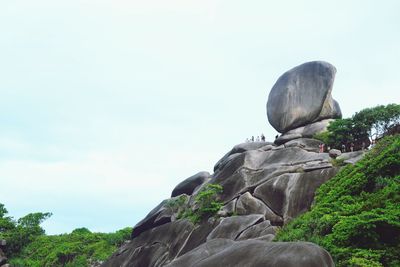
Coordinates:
232 227
307 144
334 153
190 184
225 252
302 96
351 157
154 247
265 185
307 131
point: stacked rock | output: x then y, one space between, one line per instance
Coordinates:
265 185
300 103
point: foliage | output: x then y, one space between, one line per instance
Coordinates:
20 233
207 200
27 244
369 123
178 204
338 162
206 204
356 214
6 223
79 248
379 119
324 137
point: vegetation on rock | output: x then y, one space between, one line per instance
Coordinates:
356 214
206 204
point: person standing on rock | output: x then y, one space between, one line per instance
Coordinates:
321 148
262 138
343 148
252 138
258 139
352 147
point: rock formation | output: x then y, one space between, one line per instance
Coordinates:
300 103
265 185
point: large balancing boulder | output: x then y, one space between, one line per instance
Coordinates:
302 96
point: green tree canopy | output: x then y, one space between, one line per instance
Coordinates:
20 233
368 124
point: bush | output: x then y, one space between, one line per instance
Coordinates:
206 204
207 200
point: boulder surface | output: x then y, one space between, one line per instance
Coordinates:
302 96
190 184
221 252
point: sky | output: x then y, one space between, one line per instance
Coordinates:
106 105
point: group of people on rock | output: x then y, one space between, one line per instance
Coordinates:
322 147
344 148
260 138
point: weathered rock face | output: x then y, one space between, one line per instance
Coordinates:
190 184
302 96
265 186
153 247
223 252
351 157
232 227
305 131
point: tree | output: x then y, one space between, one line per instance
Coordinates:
340 132
364 126
20 233
6 223
378 120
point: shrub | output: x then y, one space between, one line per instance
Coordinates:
206 204
207 199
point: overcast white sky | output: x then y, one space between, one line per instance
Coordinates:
105 105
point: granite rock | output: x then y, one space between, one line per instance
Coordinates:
302 96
